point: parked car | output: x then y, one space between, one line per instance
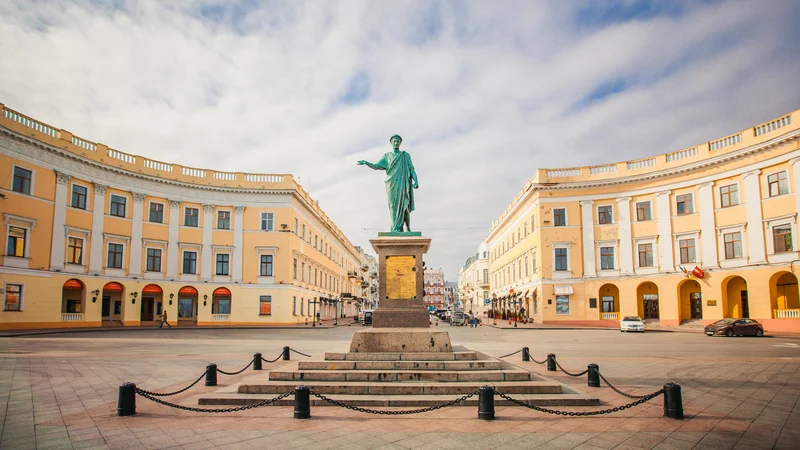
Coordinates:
631 323
367 317
458 319
735 327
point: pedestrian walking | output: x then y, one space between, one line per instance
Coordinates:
164 320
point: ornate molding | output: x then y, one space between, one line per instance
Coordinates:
138 197
659 194
100 189
208 208
62 178
174 204
238 210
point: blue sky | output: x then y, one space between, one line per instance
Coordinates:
483 92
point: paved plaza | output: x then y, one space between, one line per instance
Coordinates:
60 391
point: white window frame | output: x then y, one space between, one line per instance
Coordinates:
769 224
561 274
694 204
21 297
645 240
112 271
766 183
190 247
164 211
183 217
216 219
80 233
676 246
267 251
613 214
649 207
33 179
128 202
88 205
738 194
566 217
262 219
29 225
736 262
158 245
599 260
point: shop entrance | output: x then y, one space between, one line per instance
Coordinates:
147 308
696 305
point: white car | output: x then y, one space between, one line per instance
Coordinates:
631 323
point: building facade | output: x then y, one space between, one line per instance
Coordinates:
434 288
369 279
688 237
451 295
96 236
473 282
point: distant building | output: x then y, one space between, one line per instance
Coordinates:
473 282
434 288
451 295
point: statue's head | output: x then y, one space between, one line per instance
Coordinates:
396 140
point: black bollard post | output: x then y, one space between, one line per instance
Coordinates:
286 353
126 402
302 402
486 403
526 355
257 361
211 375
673 401
551 362
594 375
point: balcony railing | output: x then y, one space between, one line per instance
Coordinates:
787 313
72 317
609 316
220 317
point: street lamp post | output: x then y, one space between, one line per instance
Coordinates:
314 317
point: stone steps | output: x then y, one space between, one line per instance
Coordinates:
401 365
400 375
416 356
418 401
397 388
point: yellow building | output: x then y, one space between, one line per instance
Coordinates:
682 238
96 236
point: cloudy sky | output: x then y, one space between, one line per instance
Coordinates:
482 92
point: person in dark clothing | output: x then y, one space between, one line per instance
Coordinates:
164 320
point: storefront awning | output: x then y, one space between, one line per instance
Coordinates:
73 284
222 292
187 290
564 289
152 289
112 287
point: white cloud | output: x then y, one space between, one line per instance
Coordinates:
482 92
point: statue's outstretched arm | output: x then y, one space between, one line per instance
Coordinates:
370 165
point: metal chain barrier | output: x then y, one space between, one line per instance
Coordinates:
392 413
617 390
299 353
572 374
147 395
272 360
159 394
538 362
511 354
237 373
582 413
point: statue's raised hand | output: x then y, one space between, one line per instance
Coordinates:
361 162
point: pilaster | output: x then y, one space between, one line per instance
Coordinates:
625 236
587 228
98 218
238 235
708 237
665 252
135 264
173 259
206 264
59 220
756 250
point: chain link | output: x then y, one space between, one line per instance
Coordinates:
159 394
582 413
237 373
147 395
537 362
617 390
299 353
572 374
392 413
272 360
511 354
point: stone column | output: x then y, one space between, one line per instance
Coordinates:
665 256
708 235
238 235
587 226
59 221
756 248
625 237
205 269
135 265
98 218
173 259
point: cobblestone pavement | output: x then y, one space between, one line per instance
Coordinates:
60 391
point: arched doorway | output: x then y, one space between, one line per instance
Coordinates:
152 306
73 301
735 303
221 304
783 295
113 308
690 300
187 304
609 302
647 300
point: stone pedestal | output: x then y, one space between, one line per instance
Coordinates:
401 288
406 340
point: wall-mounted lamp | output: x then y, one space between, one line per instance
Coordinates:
134 295
96 292
170 298
205 297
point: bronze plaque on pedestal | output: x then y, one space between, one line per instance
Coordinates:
401 277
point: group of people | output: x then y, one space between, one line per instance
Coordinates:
474 320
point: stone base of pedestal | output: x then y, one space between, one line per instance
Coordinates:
403 340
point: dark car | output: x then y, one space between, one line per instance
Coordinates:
735 327
367 318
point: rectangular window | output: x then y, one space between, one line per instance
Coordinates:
302 306
604 214
562 304
606 258
643 211
778 184
22 180
645 255
733 245
296 227
267 221
114 256
190 262
13 298
223 263
729 195
224 220
15 246
75 250
608 304
153 260
79 196
294 269
782 238
304 232
118 205
559 217
266 266
223 306
265 305
561 259
294 306
191 217
687 251
156 212
685 204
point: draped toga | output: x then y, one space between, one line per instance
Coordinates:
399 187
